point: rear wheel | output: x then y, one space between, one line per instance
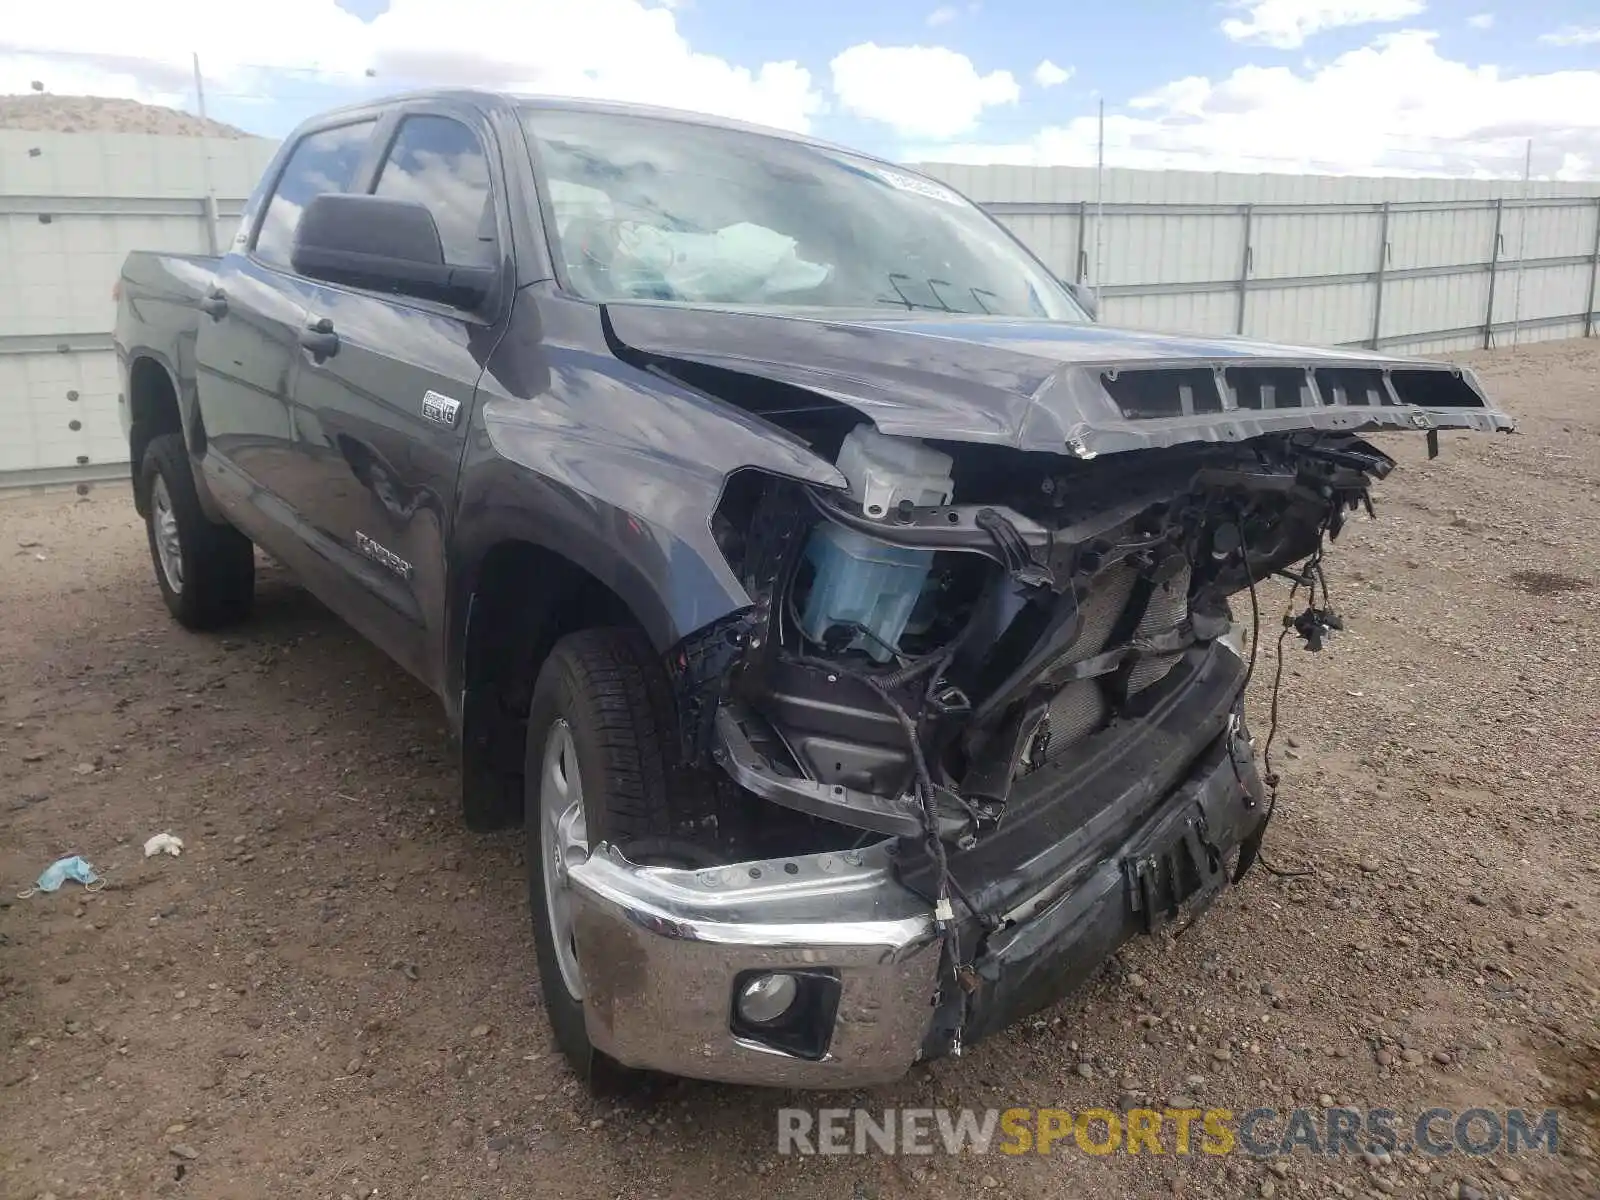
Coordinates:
206 571
602 764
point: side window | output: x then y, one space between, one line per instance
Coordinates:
439 163
323 161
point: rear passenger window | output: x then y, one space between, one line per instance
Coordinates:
440 164
324 161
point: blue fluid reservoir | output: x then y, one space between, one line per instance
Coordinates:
860 581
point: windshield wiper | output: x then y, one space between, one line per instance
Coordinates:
896 278
934 291
894 281
978 294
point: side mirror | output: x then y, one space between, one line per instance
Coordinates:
384 245
1086 298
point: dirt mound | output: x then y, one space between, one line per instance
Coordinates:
102 114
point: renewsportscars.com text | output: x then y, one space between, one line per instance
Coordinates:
1258 1132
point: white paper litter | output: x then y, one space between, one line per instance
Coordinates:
163 843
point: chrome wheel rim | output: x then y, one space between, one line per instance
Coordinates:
164 529
565 843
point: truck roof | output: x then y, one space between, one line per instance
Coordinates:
488 97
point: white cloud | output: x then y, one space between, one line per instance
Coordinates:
943 15
1048 75
922 91
1285 24
1577 167
1573 35
19 72
1483 20
615 49
1396 107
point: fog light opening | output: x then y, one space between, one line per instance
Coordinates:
789 1011
767 997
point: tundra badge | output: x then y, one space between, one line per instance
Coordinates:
383 555
441 410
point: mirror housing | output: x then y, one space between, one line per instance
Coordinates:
384 245
1085 296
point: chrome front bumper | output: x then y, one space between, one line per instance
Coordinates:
660 949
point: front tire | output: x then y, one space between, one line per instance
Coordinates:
206 571
602 764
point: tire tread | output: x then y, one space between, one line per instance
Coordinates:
218 560
631 713
612 689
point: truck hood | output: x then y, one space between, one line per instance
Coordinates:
1052 386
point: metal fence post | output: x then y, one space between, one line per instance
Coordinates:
1245 262
1383 264
1083 239
210 216
1594 270
1494 272
210 205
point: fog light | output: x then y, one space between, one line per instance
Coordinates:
767 997
792 1012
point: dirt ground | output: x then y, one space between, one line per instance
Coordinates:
332 992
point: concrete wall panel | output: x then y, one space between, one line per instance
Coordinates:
1170 247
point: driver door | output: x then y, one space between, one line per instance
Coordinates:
249 351
391 397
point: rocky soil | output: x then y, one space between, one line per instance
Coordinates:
332 992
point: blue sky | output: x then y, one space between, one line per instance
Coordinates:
1412 86
1117 50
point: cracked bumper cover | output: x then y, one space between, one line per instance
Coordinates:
1171 867
662 948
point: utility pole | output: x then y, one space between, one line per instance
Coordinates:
1522 241
210 200
199 86
1099 200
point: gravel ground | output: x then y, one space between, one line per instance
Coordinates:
332 992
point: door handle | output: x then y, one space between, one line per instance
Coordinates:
319 338
214 304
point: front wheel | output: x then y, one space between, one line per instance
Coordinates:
206 571
601 764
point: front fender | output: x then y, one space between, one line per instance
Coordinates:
671 580
616 470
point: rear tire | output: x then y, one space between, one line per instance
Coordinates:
602 735
206 572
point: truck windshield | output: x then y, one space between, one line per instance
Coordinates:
649 208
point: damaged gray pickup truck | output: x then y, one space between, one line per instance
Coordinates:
844 614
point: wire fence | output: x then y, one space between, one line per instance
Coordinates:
1393 272
1395 269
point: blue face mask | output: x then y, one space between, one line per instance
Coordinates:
63 869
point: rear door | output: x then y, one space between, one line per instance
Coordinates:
391 400
248 350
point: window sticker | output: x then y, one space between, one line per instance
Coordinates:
922 187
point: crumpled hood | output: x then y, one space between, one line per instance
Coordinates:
1032 384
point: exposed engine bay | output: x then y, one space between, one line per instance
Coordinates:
990 644
965 615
